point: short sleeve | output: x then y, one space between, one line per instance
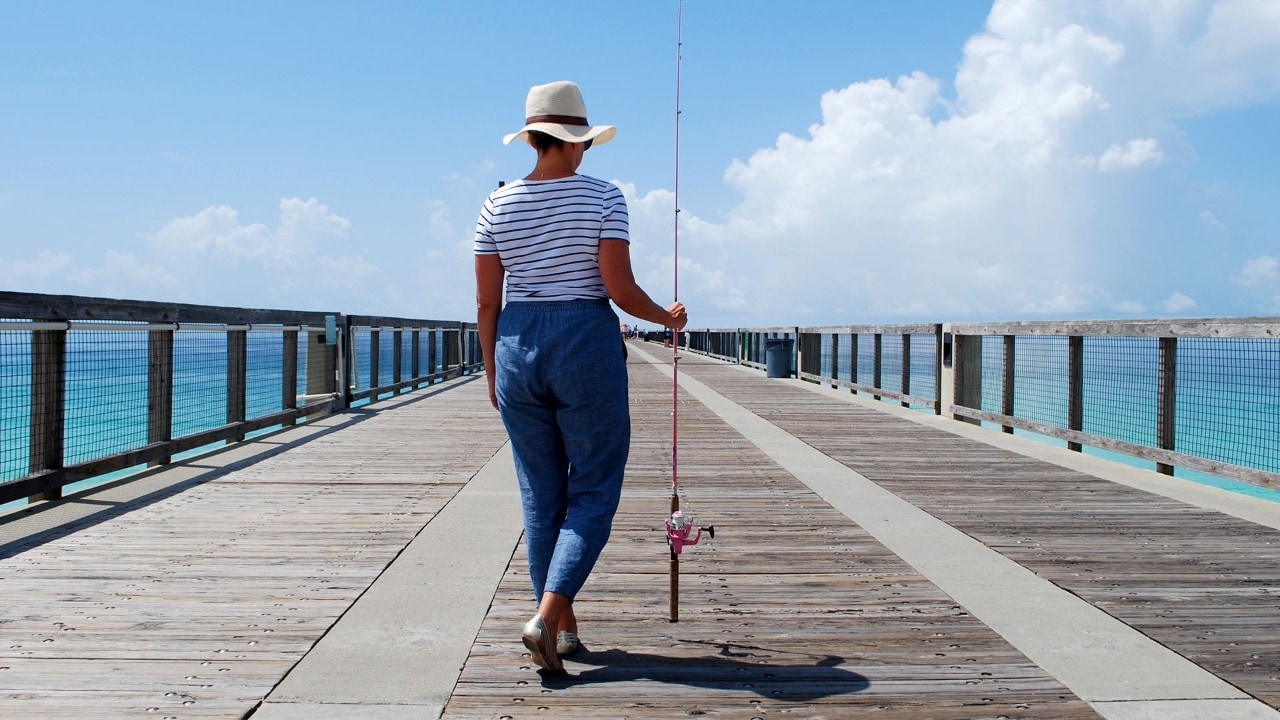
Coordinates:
614 223
484 243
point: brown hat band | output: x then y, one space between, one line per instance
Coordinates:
562 119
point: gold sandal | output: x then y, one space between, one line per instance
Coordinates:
567 643
541 645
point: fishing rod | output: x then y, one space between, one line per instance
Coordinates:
679 525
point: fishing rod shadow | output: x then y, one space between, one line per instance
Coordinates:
734 668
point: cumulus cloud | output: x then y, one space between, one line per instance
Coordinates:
214 258
1260 272
298 262
1178 303
901 202
43 273
1135 153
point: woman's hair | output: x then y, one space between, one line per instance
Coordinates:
543 142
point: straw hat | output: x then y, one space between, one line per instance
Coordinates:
557 109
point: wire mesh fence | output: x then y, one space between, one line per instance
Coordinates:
15 403
90 398
1200 394
1197 394
1228 404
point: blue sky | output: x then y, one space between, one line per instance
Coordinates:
841 162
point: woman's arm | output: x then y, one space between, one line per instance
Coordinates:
620 283
489 275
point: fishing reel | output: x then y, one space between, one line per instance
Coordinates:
679 527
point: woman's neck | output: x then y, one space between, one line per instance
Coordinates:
552 164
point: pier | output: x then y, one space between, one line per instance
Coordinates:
869 560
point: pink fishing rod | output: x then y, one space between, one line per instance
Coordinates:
679 526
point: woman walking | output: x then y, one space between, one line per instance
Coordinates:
553 355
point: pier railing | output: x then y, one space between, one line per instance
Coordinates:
91 386
1200 394
899 362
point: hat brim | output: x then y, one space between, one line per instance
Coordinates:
597 134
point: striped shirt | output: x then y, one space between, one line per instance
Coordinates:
547 234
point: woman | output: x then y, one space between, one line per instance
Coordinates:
553 354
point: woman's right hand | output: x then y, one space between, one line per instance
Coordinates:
679 318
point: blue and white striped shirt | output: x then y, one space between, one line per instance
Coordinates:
547 234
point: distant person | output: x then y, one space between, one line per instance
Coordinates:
553 354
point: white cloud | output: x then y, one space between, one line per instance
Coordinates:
120 275
900 202
212 258
43 273
1135 153
1260 272
1178 303
1208 218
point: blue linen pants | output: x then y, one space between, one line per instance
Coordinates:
561 381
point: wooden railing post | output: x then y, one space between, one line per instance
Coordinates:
415 355
795 349
1166 403
835 358
450 351
432 341
1075 388
967 359
938 340
48 405
237 362
375 358
906 367
879 350
160 390
1006 402
397 346
853 360
289 372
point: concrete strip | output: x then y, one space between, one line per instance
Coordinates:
398 651
1257 510
1185 710
339 711
1099 658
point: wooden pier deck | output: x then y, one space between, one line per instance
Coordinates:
868 561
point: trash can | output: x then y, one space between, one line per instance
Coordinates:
777 357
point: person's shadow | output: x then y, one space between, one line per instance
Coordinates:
777 675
